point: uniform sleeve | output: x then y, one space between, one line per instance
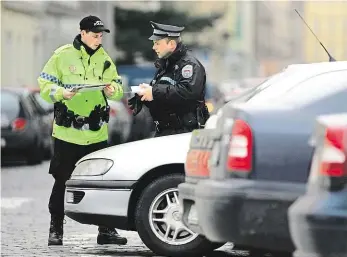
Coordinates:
189 85
50 81
116 83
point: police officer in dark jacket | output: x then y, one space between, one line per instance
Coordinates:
176 95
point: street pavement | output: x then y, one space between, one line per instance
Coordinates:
25 192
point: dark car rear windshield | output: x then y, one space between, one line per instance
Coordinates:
316 88
263 88
10 106
300 89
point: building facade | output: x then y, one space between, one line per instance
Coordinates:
38 28
278 35
328 20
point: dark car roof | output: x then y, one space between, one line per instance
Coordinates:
21 91
17 90
285 80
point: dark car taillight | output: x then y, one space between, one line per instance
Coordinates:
329 161
241 148
19 124
113 112
332 157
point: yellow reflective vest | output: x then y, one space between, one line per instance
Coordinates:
72 66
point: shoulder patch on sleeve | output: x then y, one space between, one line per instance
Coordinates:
187 71
62 48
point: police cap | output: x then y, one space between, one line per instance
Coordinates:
161 31
93 24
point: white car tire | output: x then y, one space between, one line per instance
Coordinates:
159 224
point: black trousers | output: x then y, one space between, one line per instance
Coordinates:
61 167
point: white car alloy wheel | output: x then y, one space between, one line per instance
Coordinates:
165 219
158 221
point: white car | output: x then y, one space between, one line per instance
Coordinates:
133 186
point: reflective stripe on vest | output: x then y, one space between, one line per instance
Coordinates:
50 78
170 80
52 93
56 81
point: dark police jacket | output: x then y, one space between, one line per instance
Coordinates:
178 86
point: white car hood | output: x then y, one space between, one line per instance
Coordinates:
132 160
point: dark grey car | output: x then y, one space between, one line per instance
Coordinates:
260 158
22 127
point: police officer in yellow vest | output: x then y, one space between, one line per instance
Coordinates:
81 118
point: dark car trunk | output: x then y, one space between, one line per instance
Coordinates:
279 143
11 109
16 132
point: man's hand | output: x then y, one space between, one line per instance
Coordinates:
109 90
146 92
135 104
67 94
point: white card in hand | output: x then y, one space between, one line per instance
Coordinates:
86 88
136 89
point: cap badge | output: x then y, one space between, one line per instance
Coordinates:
98 23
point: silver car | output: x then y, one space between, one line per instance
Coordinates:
133 186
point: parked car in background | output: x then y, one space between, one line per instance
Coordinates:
120 122
133 186
142 125
45 110
132 75
318 219
259 157
24 131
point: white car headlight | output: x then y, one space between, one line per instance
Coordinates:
93 167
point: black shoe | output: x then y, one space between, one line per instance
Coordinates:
110 236
55 232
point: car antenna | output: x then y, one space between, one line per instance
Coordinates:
331 59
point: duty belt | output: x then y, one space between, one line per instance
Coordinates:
172 122
82 123
67 118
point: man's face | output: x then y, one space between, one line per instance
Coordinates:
164 47
91 39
